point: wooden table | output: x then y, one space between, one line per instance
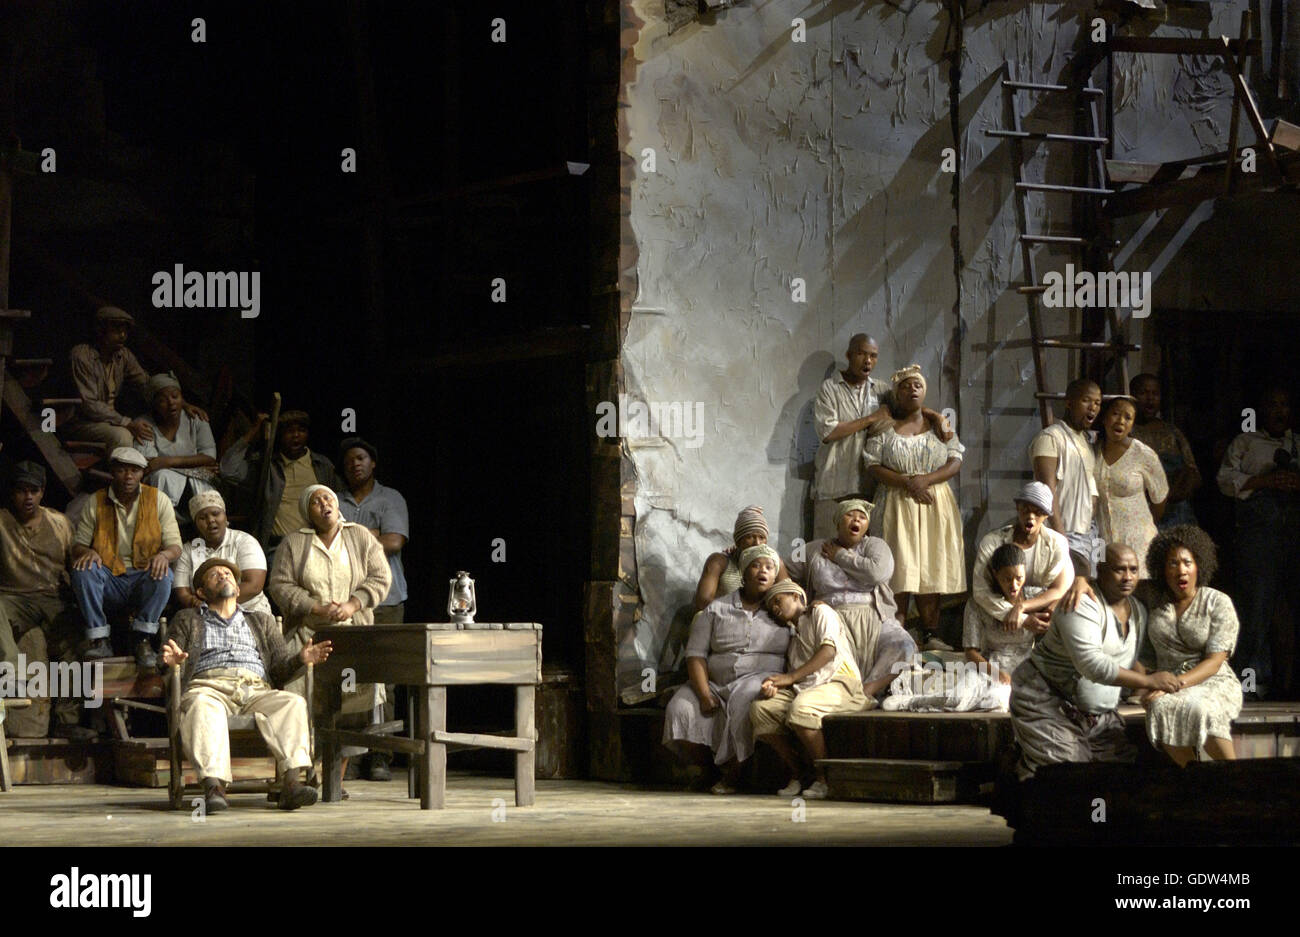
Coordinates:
429 658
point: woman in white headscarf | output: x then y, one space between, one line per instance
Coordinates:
331 572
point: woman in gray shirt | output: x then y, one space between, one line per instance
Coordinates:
734 645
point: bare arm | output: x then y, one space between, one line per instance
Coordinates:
251 582
849 427
707 589
697 674
825 654
1204 670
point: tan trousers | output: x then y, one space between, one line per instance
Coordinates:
281 718
807 708
110 435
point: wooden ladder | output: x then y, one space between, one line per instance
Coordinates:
1110 349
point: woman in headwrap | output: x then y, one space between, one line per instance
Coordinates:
733 647
918 515
331 572
851 574
721 574
181 453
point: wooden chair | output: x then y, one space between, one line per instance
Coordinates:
245 742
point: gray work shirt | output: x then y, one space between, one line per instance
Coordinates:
384 509
1082 652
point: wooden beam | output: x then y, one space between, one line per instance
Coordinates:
1183 45
475 740
17 402
387 743
1119 170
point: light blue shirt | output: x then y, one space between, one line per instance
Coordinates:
384 509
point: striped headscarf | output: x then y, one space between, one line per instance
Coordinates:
749 521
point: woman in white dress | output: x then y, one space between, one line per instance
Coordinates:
917 511
181 453
1131 483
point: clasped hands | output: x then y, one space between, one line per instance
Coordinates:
336 611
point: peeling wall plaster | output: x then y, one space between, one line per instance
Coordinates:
821 160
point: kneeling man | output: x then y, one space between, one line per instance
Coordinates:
822 679
1064 697
236 657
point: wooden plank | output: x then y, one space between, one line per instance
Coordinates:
900 781
482 740
1119 170
387 743
526 760
1183 45
1285 135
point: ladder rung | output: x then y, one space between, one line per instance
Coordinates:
1049 137
98 473
1048 187
60 401
84 445
1087 346
1035 86
1035 288
15 313
1052 239
30 362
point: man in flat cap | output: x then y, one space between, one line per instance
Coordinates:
382 509
1047 566
294 469
217 538
101 370
231 662
126 540
35 551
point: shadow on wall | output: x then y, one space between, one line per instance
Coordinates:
794 443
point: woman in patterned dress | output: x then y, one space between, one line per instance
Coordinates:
917 512
1191 633
1131 485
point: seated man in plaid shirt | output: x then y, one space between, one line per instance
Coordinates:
230 659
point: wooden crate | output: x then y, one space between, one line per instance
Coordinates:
145 763
902 781
59 761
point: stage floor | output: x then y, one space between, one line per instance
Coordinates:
566 813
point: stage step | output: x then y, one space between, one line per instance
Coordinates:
905 781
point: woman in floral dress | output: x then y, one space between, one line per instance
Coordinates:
1191 633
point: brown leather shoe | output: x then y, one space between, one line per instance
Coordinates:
214 796
293 793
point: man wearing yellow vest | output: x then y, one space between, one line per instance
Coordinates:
124 545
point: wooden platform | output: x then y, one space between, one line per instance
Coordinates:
1252 802
907 757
